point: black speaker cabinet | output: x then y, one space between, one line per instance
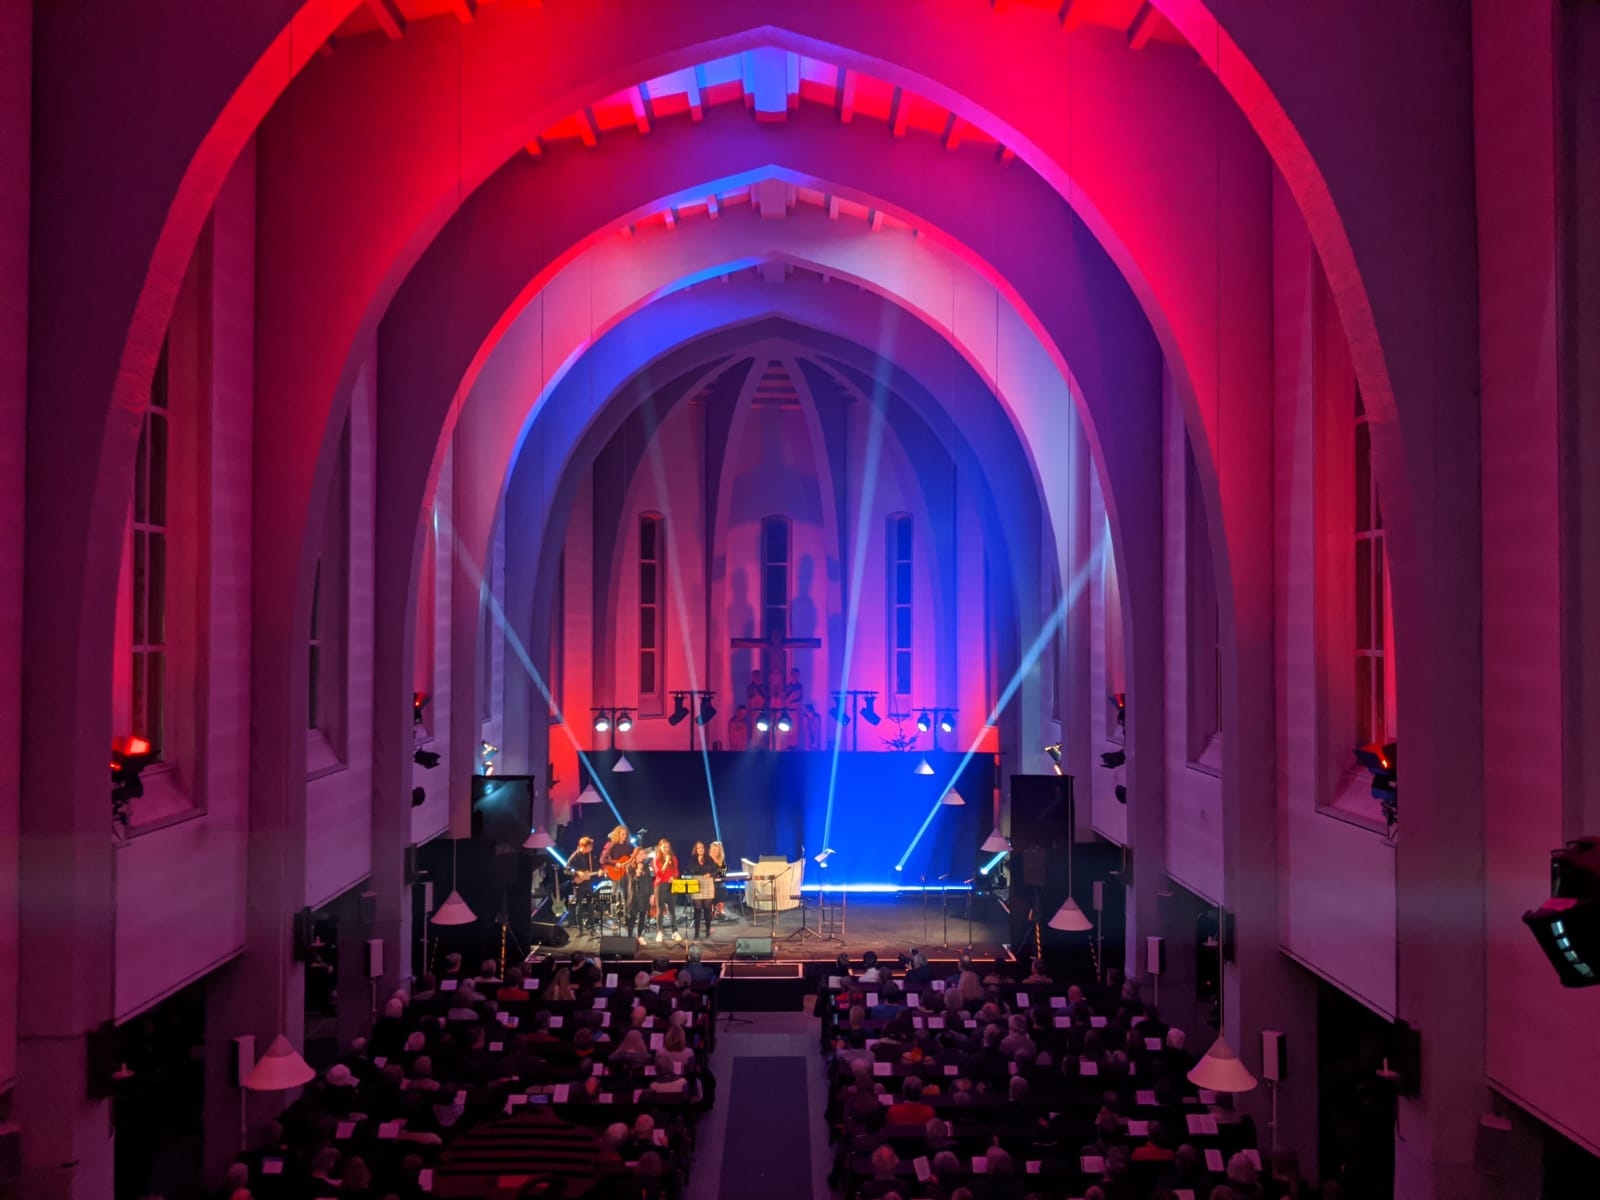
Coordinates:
616 946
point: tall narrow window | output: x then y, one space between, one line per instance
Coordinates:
1372 722
652 554
150 534
775 576
488 608
900 603
314 653
1204 620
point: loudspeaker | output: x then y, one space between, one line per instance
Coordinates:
615 946
1492 1152
1099 895
413 867
1274 1060
752 947
367 909
1155 955
545 929
304 935
374 958
243 1059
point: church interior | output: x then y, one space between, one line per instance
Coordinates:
692 599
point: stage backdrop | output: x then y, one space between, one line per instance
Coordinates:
776 802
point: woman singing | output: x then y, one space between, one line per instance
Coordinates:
666 872
703 866
638 889
719 861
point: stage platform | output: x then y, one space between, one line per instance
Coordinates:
887 923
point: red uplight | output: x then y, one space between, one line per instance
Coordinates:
130 746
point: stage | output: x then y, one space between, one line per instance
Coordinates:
887 923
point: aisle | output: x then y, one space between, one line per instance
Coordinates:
771 1088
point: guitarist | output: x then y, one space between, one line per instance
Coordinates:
585 869
618 852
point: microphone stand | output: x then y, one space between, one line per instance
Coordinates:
944 911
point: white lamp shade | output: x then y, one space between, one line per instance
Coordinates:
622 766
1221 1071
1069 918
924 768
995 843
953 797
589 796
279 1069
454 911
538 840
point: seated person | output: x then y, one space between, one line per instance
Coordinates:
909 1109
695 973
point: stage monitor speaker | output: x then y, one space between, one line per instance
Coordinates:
617 946
1274 1060
545 929
374 958
243 1060
1155 955
752 947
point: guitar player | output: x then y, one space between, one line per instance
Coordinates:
585 870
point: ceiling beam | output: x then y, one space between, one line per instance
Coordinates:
952 133
465 10
697 80
899 112
671 218
588 128
639 97
1004 155
875 220
712 207
1070 14
833 208
847 95
389 17
1142 26
535 149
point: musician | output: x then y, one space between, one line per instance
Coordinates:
666 867
618 849
719 861
638 888
585 870
702 866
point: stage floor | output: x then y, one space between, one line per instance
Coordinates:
887 923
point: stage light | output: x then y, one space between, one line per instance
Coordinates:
707 711
1112 759
992 863
822 859
837 712
1384 763
419 797
947 720
419 701
602 721
1055 753
784 724
1121 793
426 758
486 755
868 713
923 768
924 722
129 756
1120 699
763 721
1567 926
624 721
680 710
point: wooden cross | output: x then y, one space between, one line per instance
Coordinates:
774 649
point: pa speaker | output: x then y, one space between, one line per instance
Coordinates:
1274 1060
551 933
615 946
1155 955
374 958
752 947
1099 895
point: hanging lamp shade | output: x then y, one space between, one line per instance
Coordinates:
538 840
279 1069
622 766
996 843
454 911
589 796
1069 918
1220 1070
924 768
952 798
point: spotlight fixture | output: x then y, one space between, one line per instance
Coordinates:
602 720
419 701
784 723
1121 793
947 720
1112 759
129 756
419 797
837 712
1120 700
707 709
486 756
680 710
426 758
624 720
1567 926
924 721
763 721
822 859
1384 763
868 713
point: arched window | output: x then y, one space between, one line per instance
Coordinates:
899 595
775 576
150 555
1373 719
652 565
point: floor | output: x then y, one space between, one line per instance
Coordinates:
780 1035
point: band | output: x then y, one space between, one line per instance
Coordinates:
633 886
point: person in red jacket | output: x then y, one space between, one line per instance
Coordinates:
666 872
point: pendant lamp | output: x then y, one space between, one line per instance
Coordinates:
1220 1069
1069 917
589 796
923 768
454 910
996 843
622 766
538 840
279 1069
952 798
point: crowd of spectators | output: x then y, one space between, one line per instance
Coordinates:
569 1071
999 1083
